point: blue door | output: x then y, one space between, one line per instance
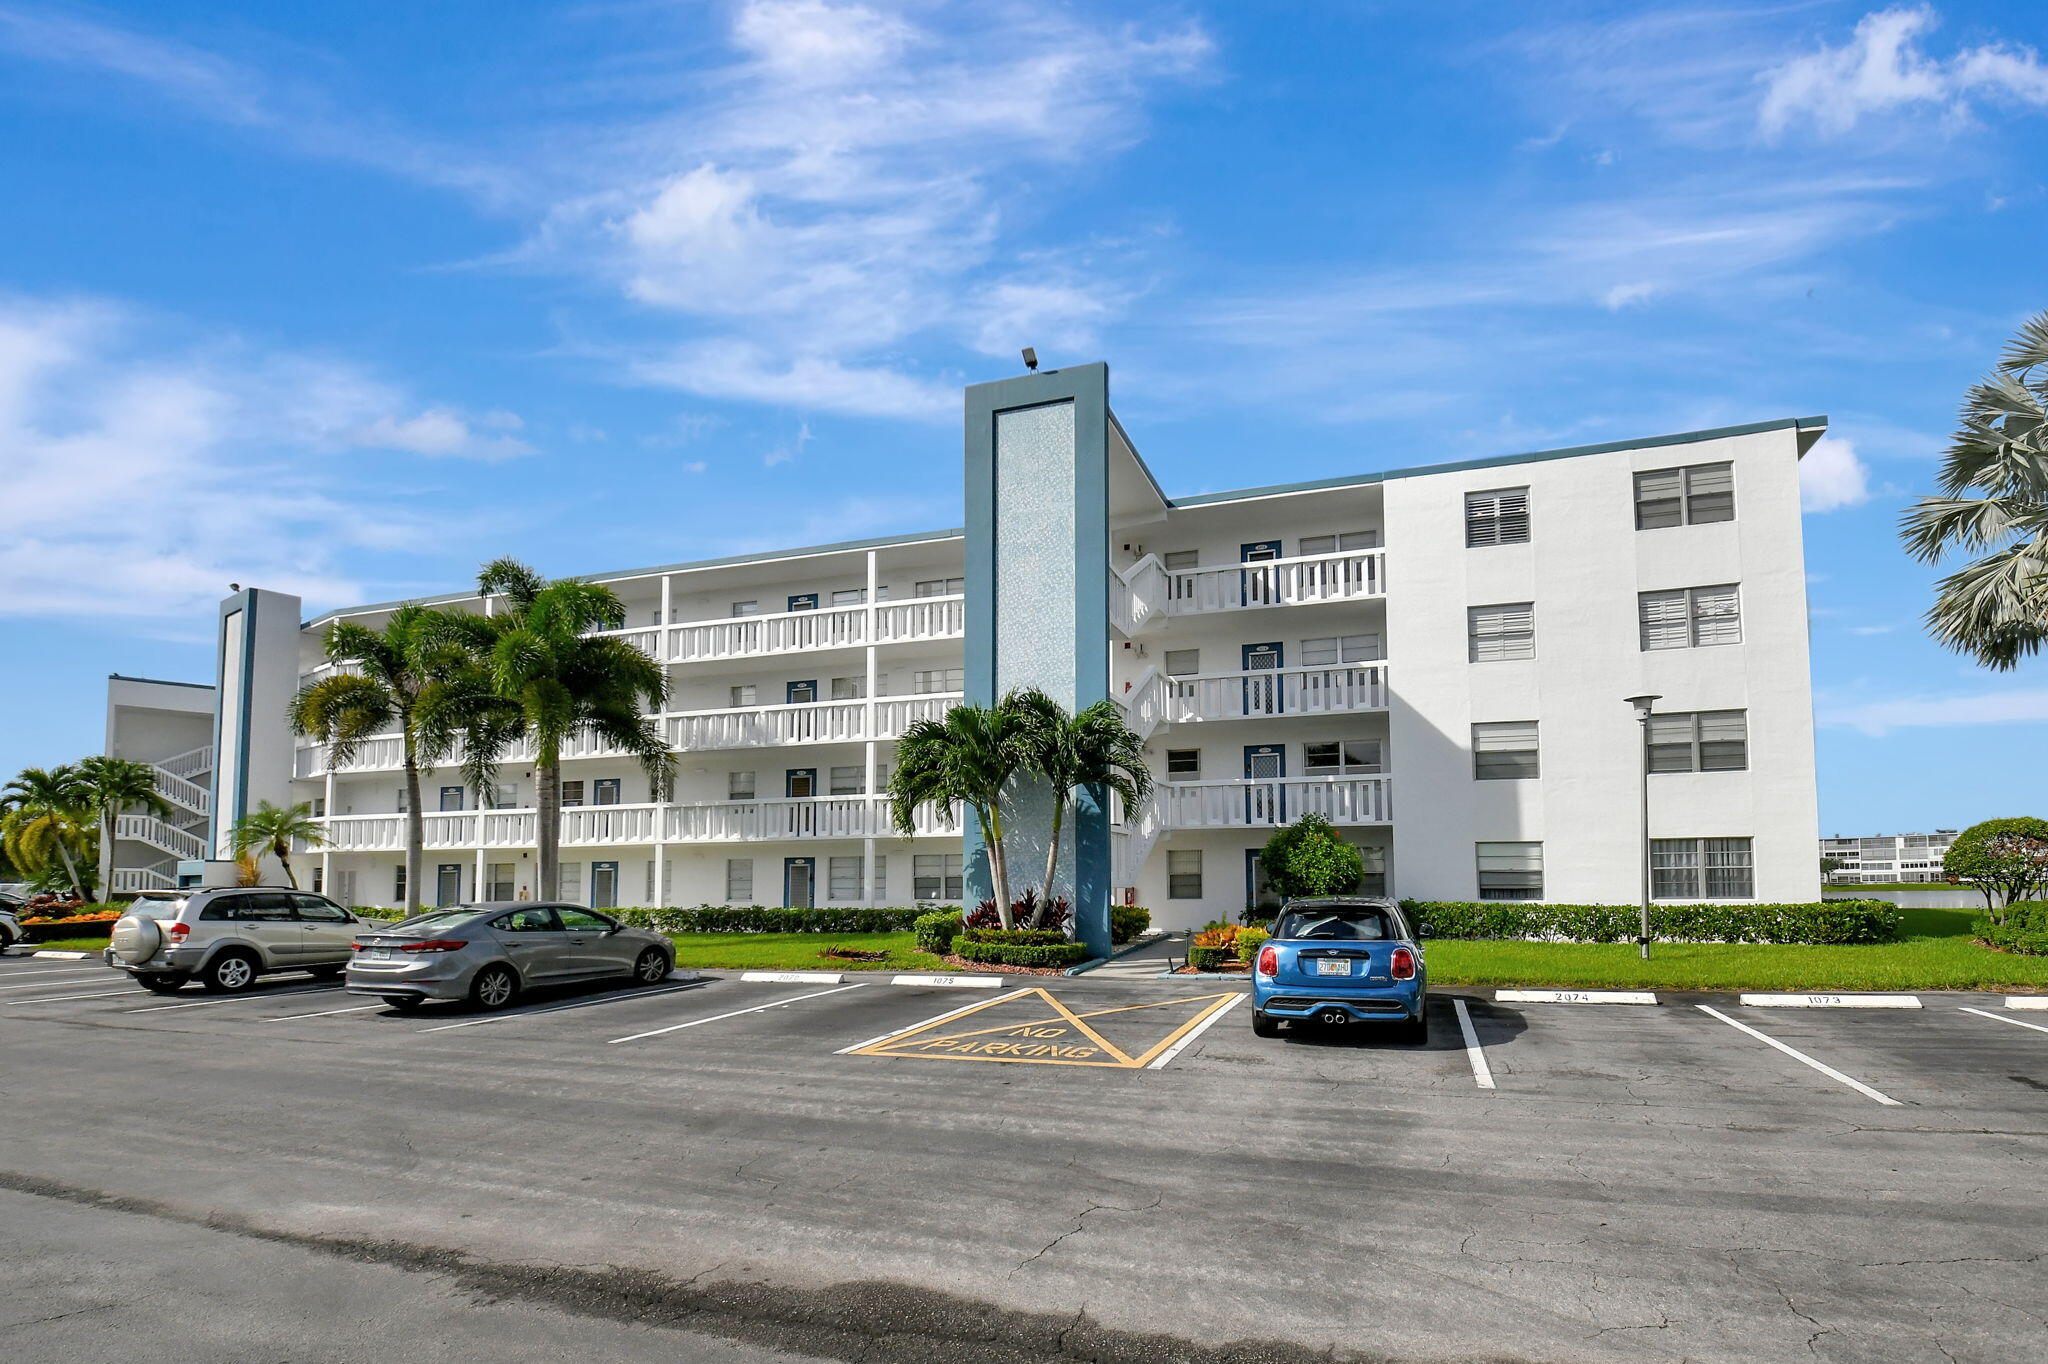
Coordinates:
448 884
604 883
1265 798
804 601
800 782
607 791
801 693
1255 585
1262 695
799 882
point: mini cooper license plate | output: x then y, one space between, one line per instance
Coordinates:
1333 966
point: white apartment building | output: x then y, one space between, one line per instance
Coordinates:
1433 657
1887 858
168 725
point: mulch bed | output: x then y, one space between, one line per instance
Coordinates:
999 969
853 954
1231 968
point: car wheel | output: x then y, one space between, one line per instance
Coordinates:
163 985
326 972
1264 1025
652 968
494 987
405 1004
229 973
1417 1030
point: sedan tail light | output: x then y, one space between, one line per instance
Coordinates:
436 945
1269 961
1402 964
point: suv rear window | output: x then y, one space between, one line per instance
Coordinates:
1338 923
156 909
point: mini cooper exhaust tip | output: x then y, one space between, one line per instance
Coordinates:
1334 1017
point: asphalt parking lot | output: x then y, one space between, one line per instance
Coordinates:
1051 1168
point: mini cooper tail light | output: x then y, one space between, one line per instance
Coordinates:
1402 964
1269 961
436 945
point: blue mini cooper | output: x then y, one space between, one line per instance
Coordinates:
1345 959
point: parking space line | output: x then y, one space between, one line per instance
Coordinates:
936 1018
232 999
1803 1058
2016 1022
1181 1045
59 999
325 1013
572 1004
56 976
1482 1074
793 999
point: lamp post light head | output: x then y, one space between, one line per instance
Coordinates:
1643 704
1030 357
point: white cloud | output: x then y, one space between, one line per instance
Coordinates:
788 450
856 179
141 478
1986 708
1831 477
440 432
696 466
1621 295
1882 69
1872 629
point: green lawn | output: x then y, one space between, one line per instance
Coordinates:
98 944
1935 954
799 952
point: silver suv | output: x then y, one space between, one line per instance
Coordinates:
226 938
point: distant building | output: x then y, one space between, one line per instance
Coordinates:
1886 858
168 725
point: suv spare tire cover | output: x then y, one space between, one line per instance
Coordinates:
135 939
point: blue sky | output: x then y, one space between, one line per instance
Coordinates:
343 299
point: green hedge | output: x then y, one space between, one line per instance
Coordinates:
744 918
2024 930
1210 958
1127 922
1060 953
1015 937
1249 941
935 932
1826 922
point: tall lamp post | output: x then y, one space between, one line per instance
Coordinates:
1643 705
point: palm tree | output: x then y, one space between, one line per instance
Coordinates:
969 757
1092 750
542 673
114 785
396 679
272 828
46 814
1994 504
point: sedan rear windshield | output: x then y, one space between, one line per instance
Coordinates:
440 918
1343 923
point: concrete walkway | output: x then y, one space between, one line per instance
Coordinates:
1147 963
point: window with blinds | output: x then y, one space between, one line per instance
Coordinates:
1181 662
1334 649
1184 875
1702 869
936 876
1690 617
1503 632
1343 757
1702 741
1500 517
1504 750
842 878
1332 544
1183 764
1510 871
1690 495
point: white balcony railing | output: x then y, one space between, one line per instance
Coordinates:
835 627
1258 693
635 825
815 722
189 763
133 879
1146 591
1262 804
178 791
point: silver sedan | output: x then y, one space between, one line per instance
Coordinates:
488 954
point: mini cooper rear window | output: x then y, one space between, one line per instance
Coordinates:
1360 923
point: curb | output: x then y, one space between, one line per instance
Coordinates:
970 982
2026 1001
1574 997
66 956
796 977
1827 1001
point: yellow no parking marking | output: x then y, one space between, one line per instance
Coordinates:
1061 1037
